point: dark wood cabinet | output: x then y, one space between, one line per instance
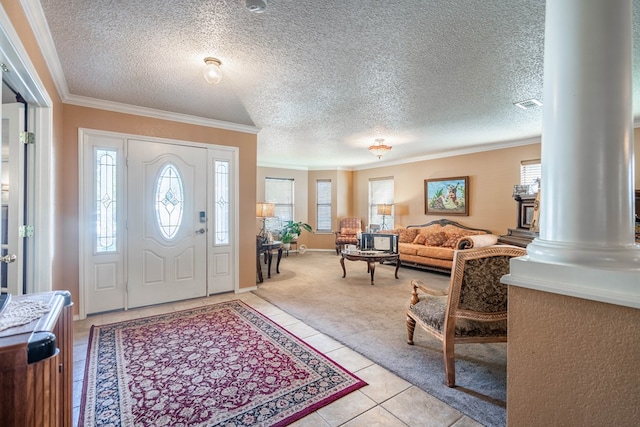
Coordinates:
521 235
36 367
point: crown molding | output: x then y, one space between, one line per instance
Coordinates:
459 152
117 107
35 17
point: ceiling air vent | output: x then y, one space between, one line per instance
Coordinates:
529 103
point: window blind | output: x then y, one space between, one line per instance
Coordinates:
323 207
530 174
381 192
279 191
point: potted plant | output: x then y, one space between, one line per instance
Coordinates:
291 231
286 238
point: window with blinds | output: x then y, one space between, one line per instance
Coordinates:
279 191
323 205
380 192
530 174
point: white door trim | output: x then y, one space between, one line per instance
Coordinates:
82 135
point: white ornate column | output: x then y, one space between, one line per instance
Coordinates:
586 246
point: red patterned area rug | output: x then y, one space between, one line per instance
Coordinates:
219 365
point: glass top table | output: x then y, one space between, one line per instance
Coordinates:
371 258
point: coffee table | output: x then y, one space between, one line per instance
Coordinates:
371 258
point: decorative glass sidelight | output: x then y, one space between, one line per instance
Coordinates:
222 202
106 200
169 200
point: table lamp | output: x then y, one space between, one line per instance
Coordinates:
264 211
384 210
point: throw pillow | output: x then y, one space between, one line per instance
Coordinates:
407 235
419 240
452 240
435 239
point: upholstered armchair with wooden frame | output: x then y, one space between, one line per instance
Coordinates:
474 307
348 234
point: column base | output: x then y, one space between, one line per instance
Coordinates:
607 256
614 286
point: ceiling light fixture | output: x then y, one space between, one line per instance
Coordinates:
212 72
379 148
256 6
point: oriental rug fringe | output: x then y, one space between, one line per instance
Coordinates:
220 365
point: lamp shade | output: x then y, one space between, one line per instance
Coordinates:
384 209
265 210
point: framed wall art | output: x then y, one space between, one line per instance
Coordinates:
446 196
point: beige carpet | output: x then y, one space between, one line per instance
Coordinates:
371 320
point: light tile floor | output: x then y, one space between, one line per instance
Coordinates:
387 400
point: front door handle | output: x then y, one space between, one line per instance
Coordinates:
201 231
8 258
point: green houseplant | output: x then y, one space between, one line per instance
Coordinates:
291 230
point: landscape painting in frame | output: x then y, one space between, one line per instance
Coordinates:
446 196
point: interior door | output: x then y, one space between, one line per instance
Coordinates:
13 201
167 243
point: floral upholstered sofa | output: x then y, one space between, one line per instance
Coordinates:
431 246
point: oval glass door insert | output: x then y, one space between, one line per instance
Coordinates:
169 201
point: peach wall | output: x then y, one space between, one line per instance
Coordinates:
492 175
344 196
572 362
305 199
76 117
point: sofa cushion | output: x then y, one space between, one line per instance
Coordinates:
420 239
409 248
407 235
435 239
349 231
431 262
452 240
439 252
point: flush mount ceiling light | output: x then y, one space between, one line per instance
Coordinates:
212 72
256 6
379 148
529 103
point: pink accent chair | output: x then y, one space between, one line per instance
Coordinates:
348 234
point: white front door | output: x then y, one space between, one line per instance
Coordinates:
167 243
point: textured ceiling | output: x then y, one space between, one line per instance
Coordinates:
321 79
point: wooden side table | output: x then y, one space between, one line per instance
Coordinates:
267 249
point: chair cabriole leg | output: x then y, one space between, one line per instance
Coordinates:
448 344
411 326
